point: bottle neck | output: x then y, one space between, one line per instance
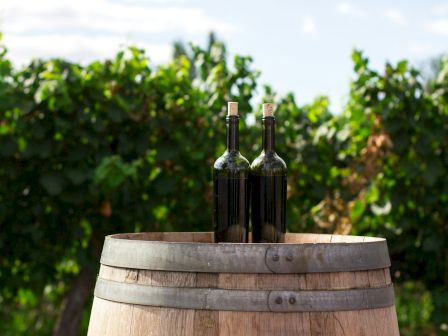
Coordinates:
268 134
232 133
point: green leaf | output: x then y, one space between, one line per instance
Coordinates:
357 210
77 175
165 185
52 182
402 66
160 212
8 147
197 155
45 90
432 243
373 194
116 114
434 169
167 151
359 61
113 172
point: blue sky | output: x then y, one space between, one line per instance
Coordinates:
299 46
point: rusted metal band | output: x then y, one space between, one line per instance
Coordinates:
245 258
245 300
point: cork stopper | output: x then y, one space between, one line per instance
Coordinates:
232 109
268 110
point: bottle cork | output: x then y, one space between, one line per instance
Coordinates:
232 109
268 110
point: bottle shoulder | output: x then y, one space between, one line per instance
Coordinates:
231 161
268 164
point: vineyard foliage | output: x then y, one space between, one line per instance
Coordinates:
123 145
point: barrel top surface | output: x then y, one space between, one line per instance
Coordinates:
196 252
207 237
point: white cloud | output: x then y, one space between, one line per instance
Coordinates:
76 47
309 25
85 29
346 8
422 49
440 9
105 16
439 27
395 16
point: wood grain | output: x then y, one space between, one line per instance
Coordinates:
206 322
321 323
237 323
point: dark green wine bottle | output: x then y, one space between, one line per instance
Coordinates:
231 187
268 187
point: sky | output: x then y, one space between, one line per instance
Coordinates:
299 46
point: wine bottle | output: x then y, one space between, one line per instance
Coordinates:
268 187
231 187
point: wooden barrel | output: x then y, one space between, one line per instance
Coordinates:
183 284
